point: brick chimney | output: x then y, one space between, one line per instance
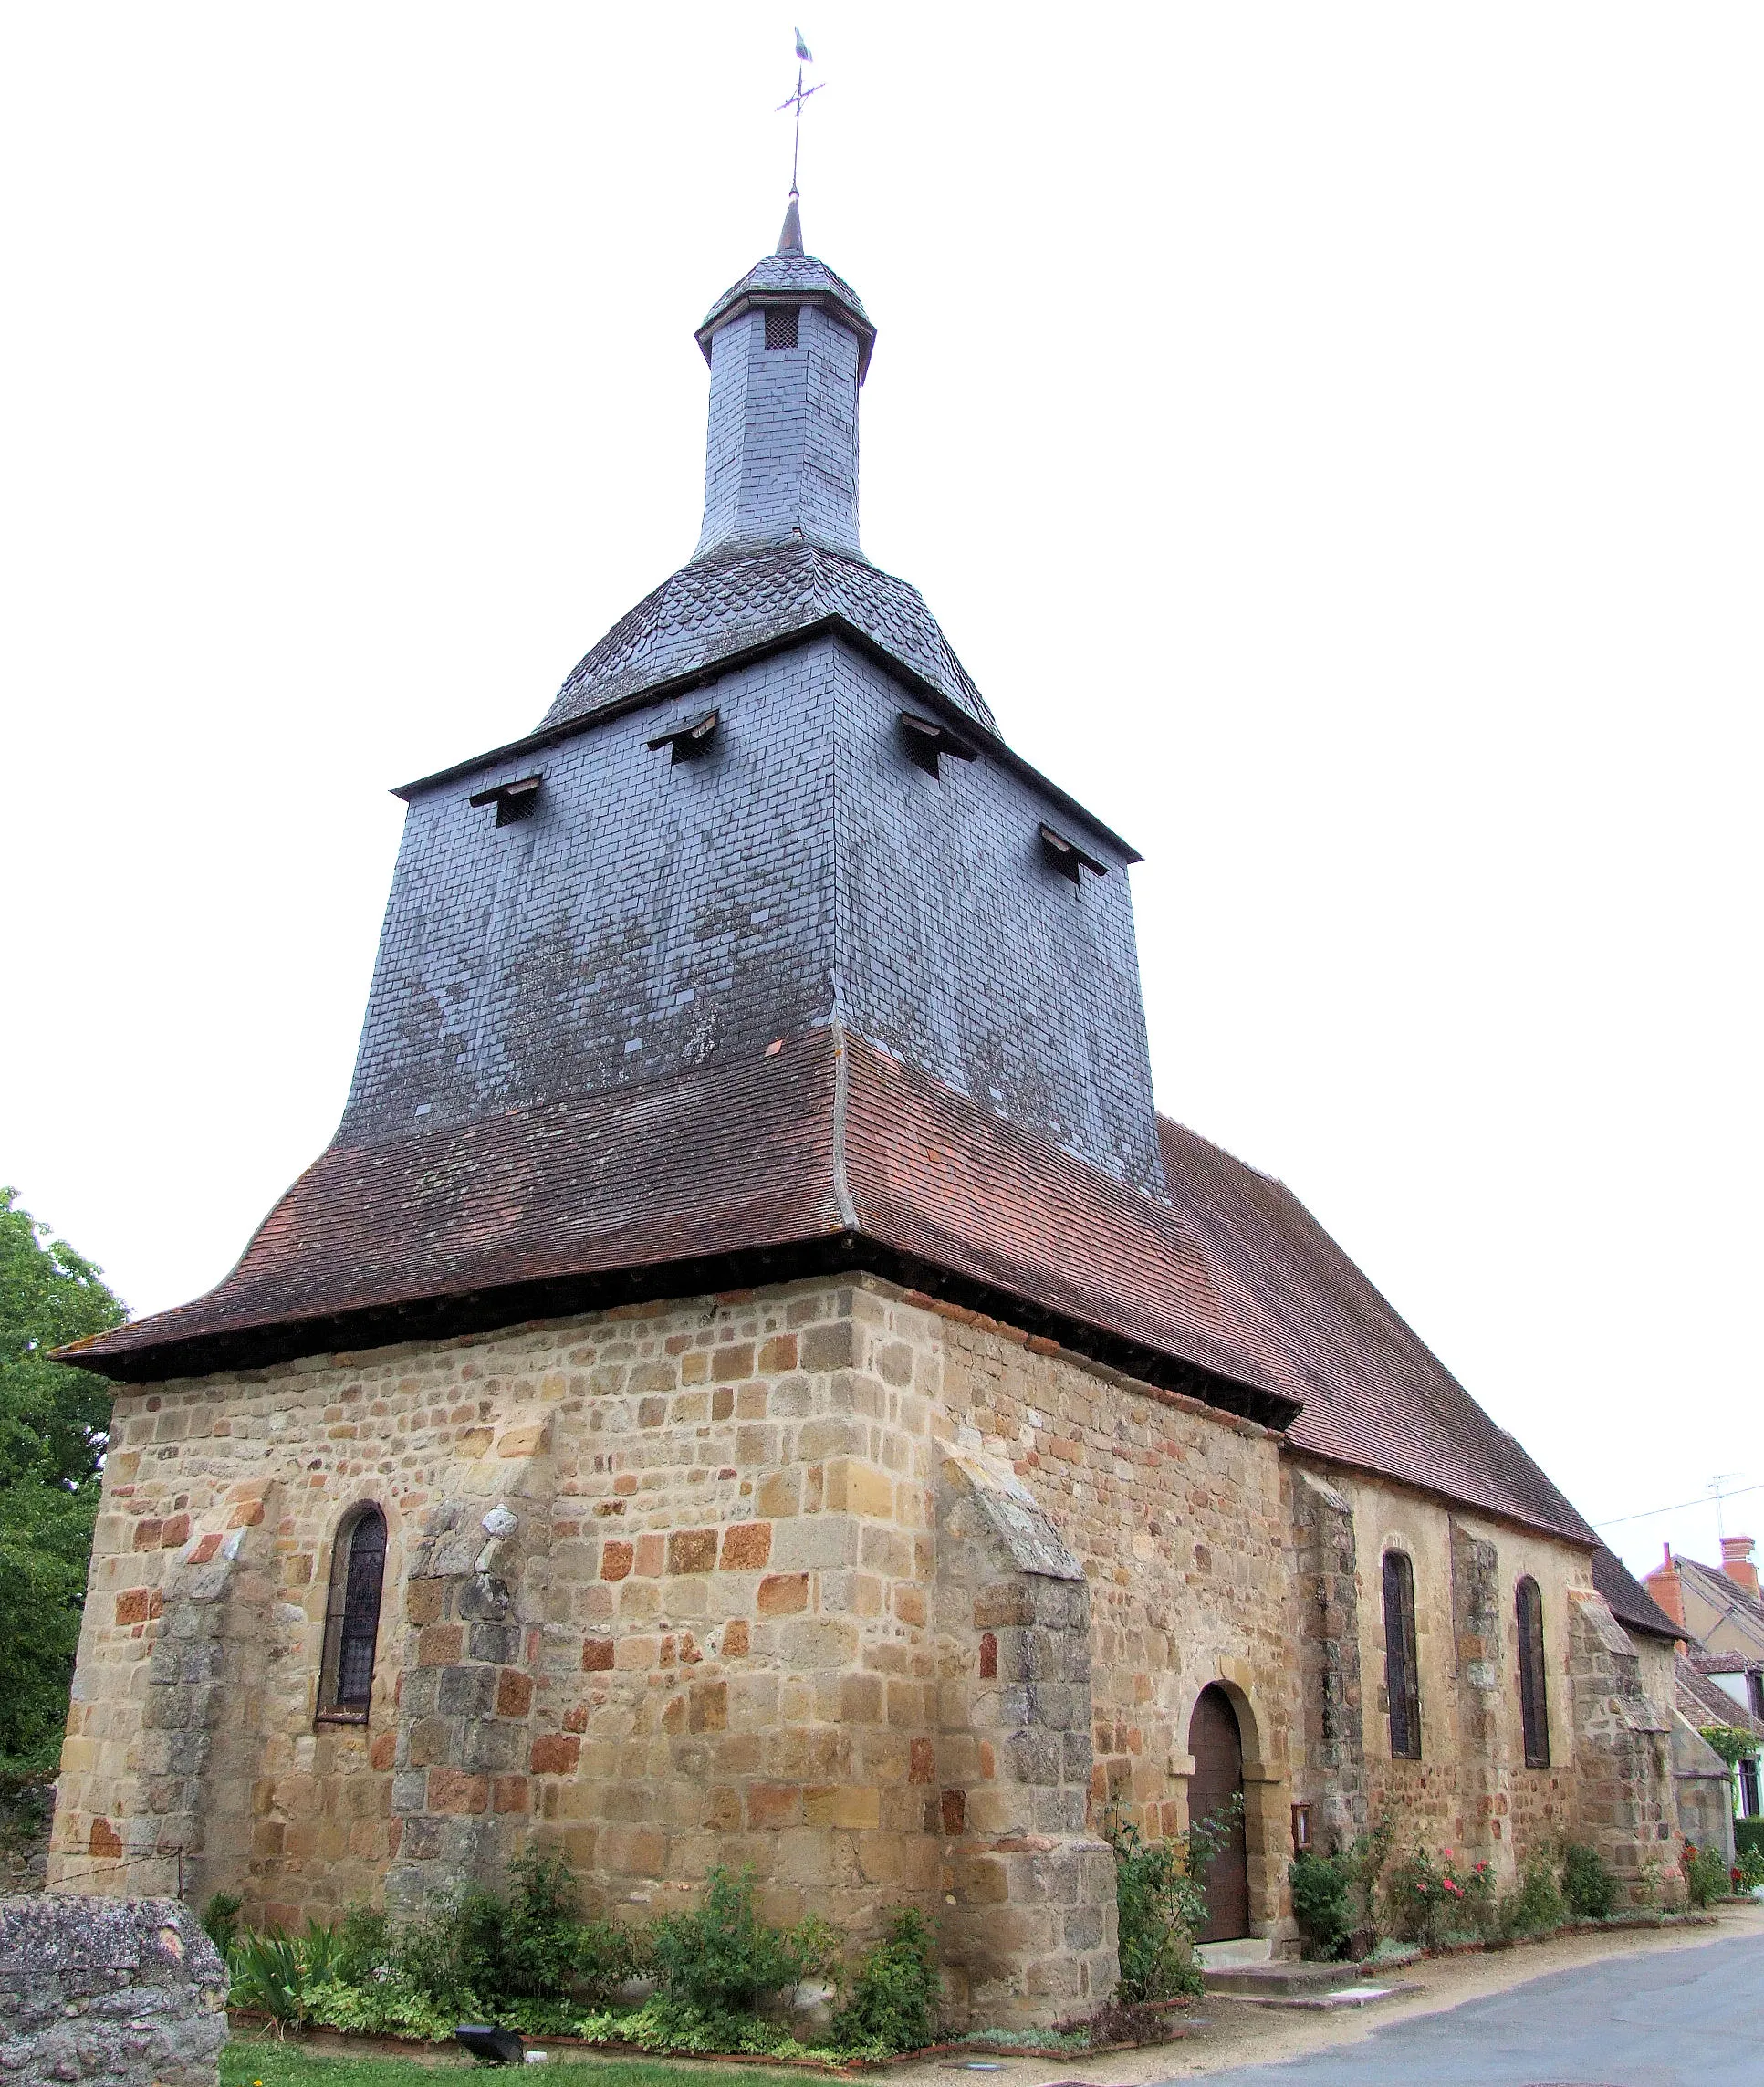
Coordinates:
1737 1563
1667 1589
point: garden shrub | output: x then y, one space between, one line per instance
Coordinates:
220 1920
272 1974
1748 1834
891 2004
722 1962
1161 1903
1428 1900
1537 1903
1749 1871
1322 1899
1706 1875
1588 1887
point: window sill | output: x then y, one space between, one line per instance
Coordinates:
341 1718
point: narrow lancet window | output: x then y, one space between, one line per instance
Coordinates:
1401 1668
357 1566
1534 1701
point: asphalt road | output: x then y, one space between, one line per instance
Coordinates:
1689 2017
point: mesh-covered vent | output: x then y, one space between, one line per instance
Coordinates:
780 326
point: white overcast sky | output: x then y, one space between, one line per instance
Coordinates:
1329 435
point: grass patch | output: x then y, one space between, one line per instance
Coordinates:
249 2060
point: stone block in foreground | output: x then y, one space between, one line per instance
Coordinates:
101 1990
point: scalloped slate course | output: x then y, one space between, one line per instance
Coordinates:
96 1990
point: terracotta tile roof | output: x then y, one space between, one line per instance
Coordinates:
810 1158
823 1157
1375 1395
1634 1607
1744 1610
1704 1703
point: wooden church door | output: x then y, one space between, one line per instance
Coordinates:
1216 1743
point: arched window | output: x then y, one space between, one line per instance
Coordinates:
1402 1670
1534 1702
358 1565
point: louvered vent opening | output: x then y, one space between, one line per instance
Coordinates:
780 326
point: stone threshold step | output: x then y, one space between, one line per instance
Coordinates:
1282 1976
1349 1997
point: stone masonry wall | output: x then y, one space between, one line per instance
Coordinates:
1173 1511
715 1582
114 1993
1331 1776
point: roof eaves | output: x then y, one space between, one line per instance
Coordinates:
834 624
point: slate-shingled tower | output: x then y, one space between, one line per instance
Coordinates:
754 1379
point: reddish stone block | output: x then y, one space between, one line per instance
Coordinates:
922 1761
783 1594
734 1638
383 1753
989 1656
147 1534
597 1655
131 1606
575 1720
208 1546
650 1551
952 1811
694 1550
772 1805
422 1601
617 1558
104 1840
175 1532
710 1706
514 1692
555 1754
777 1355
746 1546
439 1645
509 1793
245 1515
452 1791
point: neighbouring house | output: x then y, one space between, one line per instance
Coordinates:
1721 1672
755 1378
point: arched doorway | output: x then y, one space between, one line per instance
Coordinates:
1216 1743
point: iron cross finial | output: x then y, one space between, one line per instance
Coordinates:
804 57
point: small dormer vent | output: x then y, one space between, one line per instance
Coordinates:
780 326
513 800
1066 856
925 740
690 740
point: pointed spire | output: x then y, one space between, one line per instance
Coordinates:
790 241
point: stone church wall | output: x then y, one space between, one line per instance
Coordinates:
894 1602
721 1630
1471 1789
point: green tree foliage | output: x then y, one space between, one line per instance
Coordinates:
52 1432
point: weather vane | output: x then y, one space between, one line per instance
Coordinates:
804 57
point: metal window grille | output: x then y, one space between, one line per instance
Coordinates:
1401 1668
780 326
352 1619
1534 1704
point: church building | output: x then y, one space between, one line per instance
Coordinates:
754 1380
